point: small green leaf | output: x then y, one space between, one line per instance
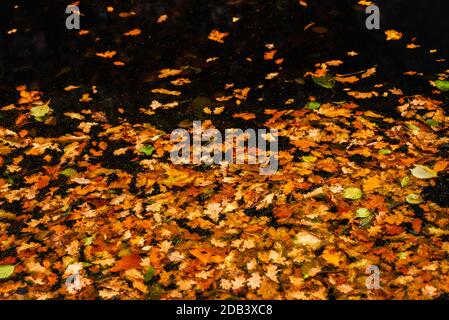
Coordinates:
385 151
411 126
149 275
432 123
442 85
88 240
413 198
6 271
423 172
327 82
362 213
68 172
309 159
312 105
39 112
352 193
148 149
402 255
405 181
366 221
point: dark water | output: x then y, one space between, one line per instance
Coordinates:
46 56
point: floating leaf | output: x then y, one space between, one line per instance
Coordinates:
312 105
423 172
442 85
68 172
327 82
6 271
363 213
39 112
148 149
414 198
352 193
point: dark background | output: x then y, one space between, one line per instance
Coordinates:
46 56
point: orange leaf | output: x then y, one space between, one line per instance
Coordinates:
133 32
245 116
106 54
217 36
42 182
440 165
127 262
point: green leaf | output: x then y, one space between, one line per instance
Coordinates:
149 275
68 172
352 193
88 240
6 271
385 151
432 123
442 85
413 127
402 255
405 181
148 149
423 172
327 82
363 213
312 105
309 159
413 198
39 112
